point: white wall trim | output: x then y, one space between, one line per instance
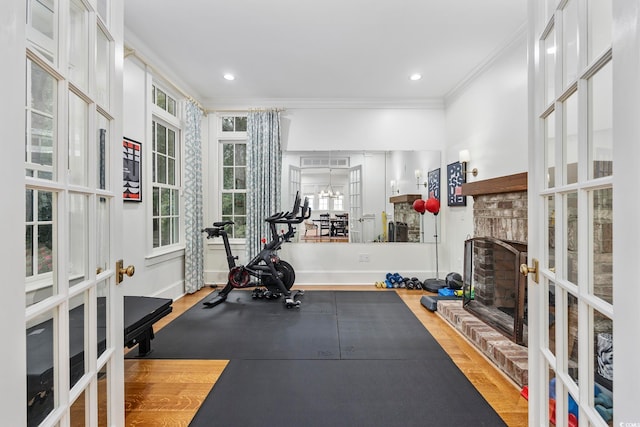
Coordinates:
174 291
222 104
160 257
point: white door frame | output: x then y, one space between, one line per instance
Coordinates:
12 81
626 205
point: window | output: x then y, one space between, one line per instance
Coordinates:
163 101
338 204
166 184
323 203
234 186
234 124
331 202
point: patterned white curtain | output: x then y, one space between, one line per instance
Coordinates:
194 249
264 171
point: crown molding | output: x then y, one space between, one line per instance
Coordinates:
233 104
519 35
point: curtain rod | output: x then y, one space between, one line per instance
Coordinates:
132 52
246 110
277 109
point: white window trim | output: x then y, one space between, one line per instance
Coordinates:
221 138
157 114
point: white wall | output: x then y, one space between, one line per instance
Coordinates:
346 129
488 118
363 129
155 276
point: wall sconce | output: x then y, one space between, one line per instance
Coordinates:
394 190
464 158
418 176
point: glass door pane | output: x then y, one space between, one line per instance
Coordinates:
42 394
550 149
41 122
78 44
103 67
602 352
572 239
78 133
601 243
601 123
570 139
77 338
550 66
41 252
570 42
103 160
42 27
78 261
600 20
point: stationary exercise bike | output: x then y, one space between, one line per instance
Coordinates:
273 276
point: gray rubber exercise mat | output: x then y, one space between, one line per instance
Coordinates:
328 325
337 393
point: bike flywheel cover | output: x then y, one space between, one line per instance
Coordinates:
238 277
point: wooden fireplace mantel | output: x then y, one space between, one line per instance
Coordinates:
405 198
503 184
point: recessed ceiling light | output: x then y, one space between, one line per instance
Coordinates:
415 76
229 76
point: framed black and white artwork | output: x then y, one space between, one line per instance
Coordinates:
455 179
433 184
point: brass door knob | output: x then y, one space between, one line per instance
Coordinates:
121 271
526 270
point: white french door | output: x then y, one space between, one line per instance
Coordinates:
571 216
295 185
71 157
355 205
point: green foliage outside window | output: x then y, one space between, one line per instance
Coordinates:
165 197
234 187
234 124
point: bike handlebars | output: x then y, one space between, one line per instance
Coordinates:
295 216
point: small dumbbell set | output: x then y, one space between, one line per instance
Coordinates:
451 284
397 281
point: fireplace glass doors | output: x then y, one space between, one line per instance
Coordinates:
494 290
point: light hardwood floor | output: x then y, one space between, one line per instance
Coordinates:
169 392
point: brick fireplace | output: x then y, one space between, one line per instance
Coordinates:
494 320
406 224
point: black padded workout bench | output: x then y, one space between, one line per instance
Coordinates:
140 314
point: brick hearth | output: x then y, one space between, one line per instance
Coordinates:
508 356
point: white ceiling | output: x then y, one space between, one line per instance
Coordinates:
292 51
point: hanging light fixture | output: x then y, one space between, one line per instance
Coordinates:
329 191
